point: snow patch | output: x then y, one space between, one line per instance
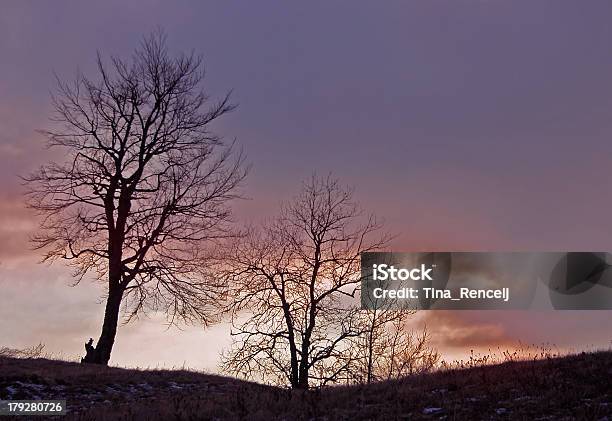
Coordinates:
432 410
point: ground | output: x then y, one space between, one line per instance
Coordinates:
573 387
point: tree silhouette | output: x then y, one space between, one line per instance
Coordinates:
293 286
143 189
387 347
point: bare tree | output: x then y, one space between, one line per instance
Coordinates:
388 348
294 281
144 186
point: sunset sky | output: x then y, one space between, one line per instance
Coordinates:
466 125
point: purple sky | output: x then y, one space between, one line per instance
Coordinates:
467 125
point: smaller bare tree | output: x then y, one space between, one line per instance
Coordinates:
389 349
294 282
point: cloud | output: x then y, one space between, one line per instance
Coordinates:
16 224
450 331
10 149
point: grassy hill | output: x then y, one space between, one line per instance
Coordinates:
572 387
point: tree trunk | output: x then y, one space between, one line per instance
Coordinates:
102 352
302 382
370 357
370 345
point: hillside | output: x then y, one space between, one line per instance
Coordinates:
573 387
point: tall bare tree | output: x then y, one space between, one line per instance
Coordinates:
144 187
294 281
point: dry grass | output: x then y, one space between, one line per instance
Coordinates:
36 351
570 387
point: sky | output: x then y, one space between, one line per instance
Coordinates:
465 125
